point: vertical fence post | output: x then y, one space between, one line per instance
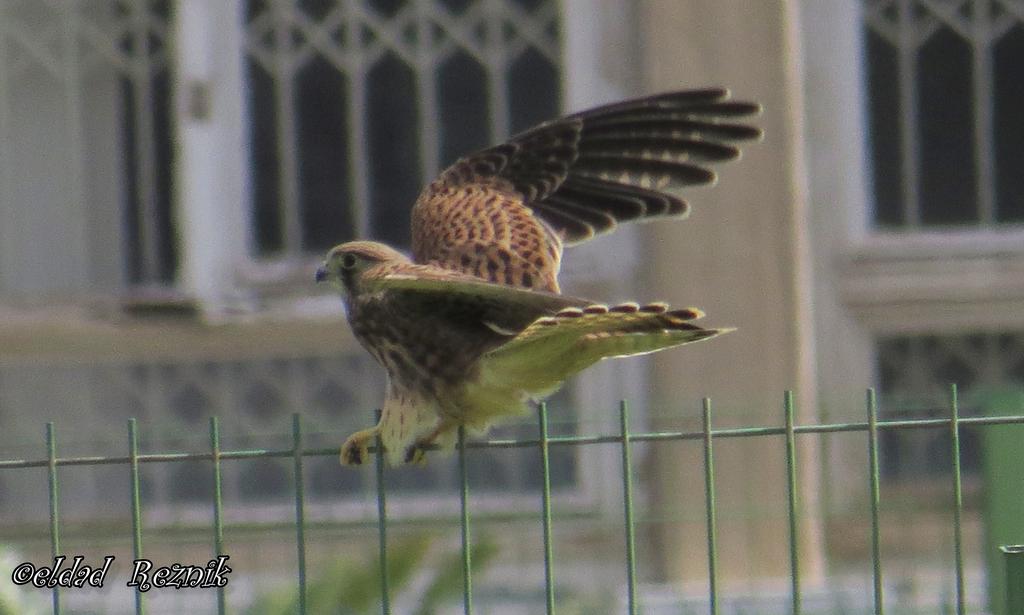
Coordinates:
709 502
382 525
1014 557
874 491
467 582
954 431
627 503
218 507
794 547
300 507
51 467
1003 473
549 582
133 460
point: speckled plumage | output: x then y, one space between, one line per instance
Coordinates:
473 326
504 213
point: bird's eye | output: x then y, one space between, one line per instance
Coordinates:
348 261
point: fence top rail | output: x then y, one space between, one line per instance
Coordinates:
739 432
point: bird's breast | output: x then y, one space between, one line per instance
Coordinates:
417 351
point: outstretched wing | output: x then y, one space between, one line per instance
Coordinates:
453 301
502 214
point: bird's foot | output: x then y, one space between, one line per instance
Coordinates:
355 450
417 452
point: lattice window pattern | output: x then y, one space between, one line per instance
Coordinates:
71 50
352 106
944 99
356 104
914 376
253 398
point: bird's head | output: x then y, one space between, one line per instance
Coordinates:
345 264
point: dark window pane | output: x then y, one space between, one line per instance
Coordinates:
533 91
266 177
416 479
486 472
191 404
253 8
457 7
1009 123
326 481
462 93
948 179
191 481
134 211
529 5
145 236
388 8
317 9
392 132
264 479
264 402
893 355
915 373
883 109
163 164
322 127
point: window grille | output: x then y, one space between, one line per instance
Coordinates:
352 107
335 393
147 138
84 101
913 371
944 100
355 105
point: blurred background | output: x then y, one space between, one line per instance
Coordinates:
172 170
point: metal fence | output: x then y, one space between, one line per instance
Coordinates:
298 453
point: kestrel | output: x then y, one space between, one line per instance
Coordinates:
473 327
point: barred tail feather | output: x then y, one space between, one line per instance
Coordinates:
554 348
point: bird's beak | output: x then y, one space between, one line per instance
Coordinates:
321 273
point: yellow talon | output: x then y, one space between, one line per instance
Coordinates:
355 450
416 454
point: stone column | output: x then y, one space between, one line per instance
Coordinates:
743 256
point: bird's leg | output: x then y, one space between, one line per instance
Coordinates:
417 450
354 450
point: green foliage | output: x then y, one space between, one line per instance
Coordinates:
351 585
447 581
15 600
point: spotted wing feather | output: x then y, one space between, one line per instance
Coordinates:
503 213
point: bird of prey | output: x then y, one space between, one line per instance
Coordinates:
473 327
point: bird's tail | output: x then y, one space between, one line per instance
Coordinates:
555 347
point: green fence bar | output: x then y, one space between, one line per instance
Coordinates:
549 581
627 504
794 547
133 465
218 507
382 524
874 491
1003 476
300 507
954 432
1004 419
51 469
467 562
1014 557
709 502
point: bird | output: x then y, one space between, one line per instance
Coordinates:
472 327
